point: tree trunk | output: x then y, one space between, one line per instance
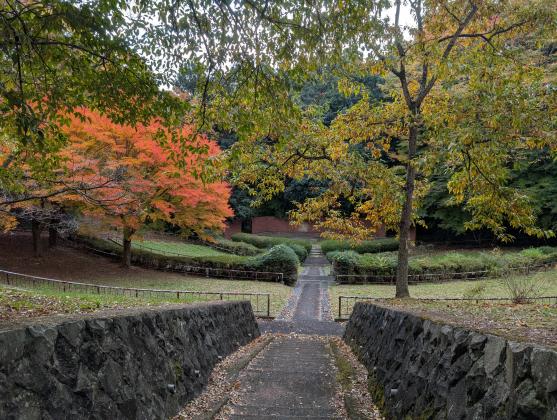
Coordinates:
52 237
127 247
36 229
406 218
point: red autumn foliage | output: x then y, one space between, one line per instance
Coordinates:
141 179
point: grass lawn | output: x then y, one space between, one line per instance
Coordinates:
279 293
22 304
456 289
16 254
181 248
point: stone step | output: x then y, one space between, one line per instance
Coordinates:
252 410
263 417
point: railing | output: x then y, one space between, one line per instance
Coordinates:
346 303
223 273
441 276
260 302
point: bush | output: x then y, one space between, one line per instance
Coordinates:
280 258
364 247
301 247
523 288
345 262
299 250
384 264
238 248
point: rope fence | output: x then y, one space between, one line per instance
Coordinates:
346 303
260 302
441 276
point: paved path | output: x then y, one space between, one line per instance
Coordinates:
308 311
293 378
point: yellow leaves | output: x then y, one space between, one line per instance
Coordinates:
7 222
350 87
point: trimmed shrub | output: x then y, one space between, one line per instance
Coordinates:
344 262
384 264
280 258
364 247
277 259
264 242
237 248
299 250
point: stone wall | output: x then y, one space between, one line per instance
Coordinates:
423 369
136 364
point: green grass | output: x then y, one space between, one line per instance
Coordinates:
181 248
279 293
20 303
454 289
381 264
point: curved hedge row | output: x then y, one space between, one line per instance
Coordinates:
278 259
384 264
301 247
364 247
238 248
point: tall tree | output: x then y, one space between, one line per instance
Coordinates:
379 153
141 179
57 56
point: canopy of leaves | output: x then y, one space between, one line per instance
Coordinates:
56 57
137 178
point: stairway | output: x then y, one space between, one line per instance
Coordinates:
292 379
308 310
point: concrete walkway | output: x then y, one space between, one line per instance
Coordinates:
308 310
294 377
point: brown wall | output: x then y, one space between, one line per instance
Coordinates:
275 225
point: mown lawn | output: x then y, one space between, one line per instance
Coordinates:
16 254
21 304
279 292
457 289
42 300
179 248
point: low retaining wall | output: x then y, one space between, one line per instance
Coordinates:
137 364
422 369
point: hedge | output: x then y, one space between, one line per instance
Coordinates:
364 247
238 248
277 259
301 247
384 264
281 257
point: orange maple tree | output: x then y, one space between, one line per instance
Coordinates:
145 174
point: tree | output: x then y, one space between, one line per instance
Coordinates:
56 57
142 178
378 154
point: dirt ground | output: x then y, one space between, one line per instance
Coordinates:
16 254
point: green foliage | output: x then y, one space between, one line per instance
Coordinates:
280 258
300 246
344 262
57 57
238 248
363 247
350 262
